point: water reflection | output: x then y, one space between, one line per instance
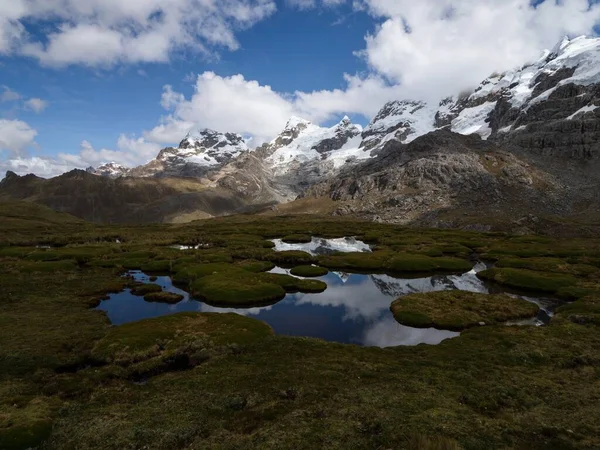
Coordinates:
320 246
354 308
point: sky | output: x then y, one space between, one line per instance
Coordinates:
84 82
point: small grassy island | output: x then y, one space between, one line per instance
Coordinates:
192 380
309 271
458 310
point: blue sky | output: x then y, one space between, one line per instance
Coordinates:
97 71
99 104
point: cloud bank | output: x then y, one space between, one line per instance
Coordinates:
417 50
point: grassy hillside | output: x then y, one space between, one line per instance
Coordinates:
189 381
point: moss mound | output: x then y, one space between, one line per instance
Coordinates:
186 274
163 297
49 266
160 265
458 310
354 261
171 343
16 252
309 271
528 279
256 266
547 265
243 291
407 262
385 260
297 239
289 257
229 285
27 436
293 284
144 289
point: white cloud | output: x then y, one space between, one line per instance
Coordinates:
225 104
363 96
309 4
438 48
36 105
42 167
8 95
16 136
130 152
424 49
105 32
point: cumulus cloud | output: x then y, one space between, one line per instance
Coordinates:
42 167
36 105
129 151
234 104
437 48
16 136
105 32
309 4
224 104
8 95
419 50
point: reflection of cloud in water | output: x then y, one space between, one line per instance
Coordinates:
353 309
203 307
360 299
319 246
389 333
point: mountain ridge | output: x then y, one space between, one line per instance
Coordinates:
530 133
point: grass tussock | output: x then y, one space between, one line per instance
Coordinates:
458 310
226 381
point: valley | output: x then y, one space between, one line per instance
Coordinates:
182 375
429 281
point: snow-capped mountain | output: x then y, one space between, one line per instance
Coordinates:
206 148
403 121
302 142
558 88
531 104
111 170
198 153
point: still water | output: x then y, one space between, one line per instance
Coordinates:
354 309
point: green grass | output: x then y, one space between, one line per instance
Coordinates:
557 265
256 266
225 290
297 238
421 263
68 379
143 289
528 279
355 261
309 271
49 266
163 297
457 310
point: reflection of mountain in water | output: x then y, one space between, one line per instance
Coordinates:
397 287
320 246
354 309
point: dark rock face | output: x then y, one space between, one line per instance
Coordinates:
546 81
546 108
440 170
556 128
343 133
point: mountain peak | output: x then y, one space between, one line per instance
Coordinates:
295 121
